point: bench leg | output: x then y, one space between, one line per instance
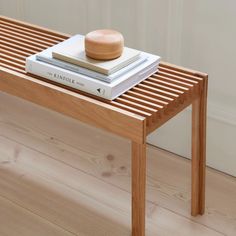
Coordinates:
199 152
138 188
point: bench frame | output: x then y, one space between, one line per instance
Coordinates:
131 116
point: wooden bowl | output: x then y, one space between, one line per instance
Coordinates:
104 44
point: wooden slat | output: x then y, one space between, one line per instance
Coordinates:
157 92
36 31
146 98
162 89
177 77
155 82
23 36
181 74
22 39
34 27
18 47
131 109
184 70
13 59
25 45
149 94
14 50
142 101
12 54
13 68
9 62
135 104
173 81
11 28
174 95
168 84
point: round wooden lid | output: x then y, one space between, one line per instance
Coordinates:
104 44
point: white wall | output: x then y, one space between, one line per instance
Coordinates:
208 36
197 34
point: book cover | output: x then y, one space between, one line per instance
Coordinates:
87 84
72 51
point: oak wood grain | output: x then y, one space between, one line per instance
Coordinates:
138 171
199 151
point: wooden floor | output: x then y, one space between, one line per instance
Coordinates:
60 177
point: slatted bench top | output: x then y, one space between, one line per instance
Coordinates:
155 100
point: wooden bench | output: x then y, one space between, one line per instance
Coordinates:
133 115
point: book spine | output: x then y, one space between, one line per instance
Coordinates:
67 78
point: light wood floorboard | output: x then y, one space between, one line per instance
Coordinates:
16 221
76 179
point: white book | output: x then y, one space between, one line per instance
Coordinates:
46 56
93 86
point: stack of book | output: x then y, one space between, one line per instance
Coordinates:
67 63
